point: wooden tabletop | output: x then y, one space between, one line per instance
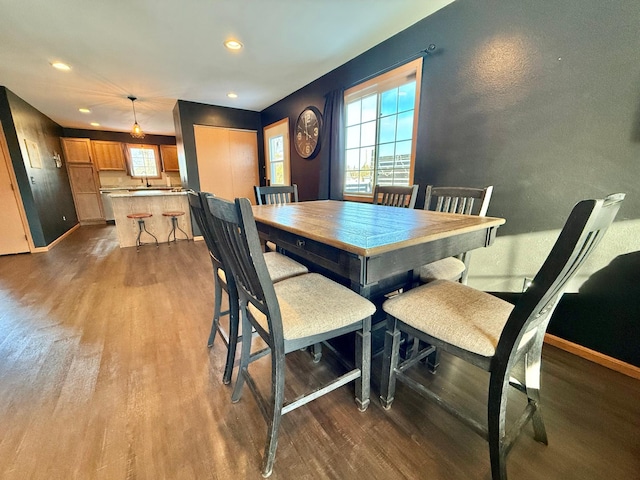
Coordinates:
365 229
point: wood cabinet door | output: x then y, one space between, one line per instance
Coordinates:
169 154
77 150
227 161
86 193
108 155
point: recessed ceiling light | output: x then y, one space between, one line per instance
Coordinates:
84 110
95 124
233 44
61 66
232 95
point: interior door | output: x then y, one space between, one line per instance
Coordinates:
276 152
227 161
13 238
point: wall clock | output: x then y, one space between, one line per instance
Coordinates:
307 133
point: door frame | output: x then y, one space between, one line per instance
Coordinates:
283 127
16 190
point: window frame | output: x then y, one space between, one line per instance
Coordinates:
379 84
156 154
276 129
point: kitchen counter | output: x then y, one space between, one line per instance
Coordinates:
153 201
144 193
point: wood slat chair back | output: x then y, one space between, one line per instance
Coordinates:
458 200
519 330
462 200
395 196
236 232
276 195
222 282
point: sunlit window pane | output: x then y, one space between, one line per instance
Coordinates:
405 126
353 159
387 129
368 135
389 102
367 158
407 97
353 112
353 136
369 108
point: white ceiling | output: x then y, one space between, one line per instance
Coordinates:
165 50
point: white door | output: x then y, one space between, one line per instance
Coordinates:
276 152
13 238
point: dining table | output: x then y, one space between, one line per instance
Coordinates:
373 249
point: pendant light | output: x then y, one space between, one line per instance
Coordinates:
136 131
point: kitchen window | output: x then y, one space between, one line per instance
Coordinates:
143 161
381 118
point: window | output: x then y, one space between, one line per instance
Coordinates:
276 146
380 129
143 161
276 154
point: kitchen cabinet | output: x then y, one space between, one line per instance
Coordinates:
108 155
169 154
86 193
77 150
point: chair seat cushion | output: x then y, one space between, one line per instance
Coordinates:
281 267
446 269
454 313
312 304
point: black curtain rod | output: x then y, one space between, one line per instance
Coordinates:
421 53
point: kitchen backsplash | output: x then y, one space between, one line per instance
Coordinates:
121 179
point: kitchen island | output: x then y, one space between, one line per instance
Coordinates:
154 202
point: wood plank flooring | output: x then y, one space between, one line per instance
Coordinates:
105 374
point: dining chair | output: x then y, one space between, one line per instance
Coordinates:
395 196
288 315
464 200
277 194
279 267
492 334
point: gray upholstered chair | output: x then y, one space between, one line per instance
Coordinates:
501 338
279 266
288 315
395 196
276 195
467 201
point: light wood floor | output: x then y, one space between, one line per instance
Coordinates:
105 374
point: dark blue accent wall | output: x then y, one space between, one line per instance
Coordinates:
540 99
45 192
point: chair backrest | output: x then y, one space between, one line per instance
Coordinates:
529 319
276 194
458 200
199 209
395 196
235 232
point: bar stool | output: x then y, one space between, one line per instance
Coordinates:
142 227
174 225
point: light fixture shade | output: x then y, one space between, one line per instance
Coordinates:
136 131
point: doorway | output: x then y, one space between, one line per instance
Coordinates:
14 231
276 153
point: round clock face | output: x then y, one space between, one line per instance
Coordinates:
307 134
